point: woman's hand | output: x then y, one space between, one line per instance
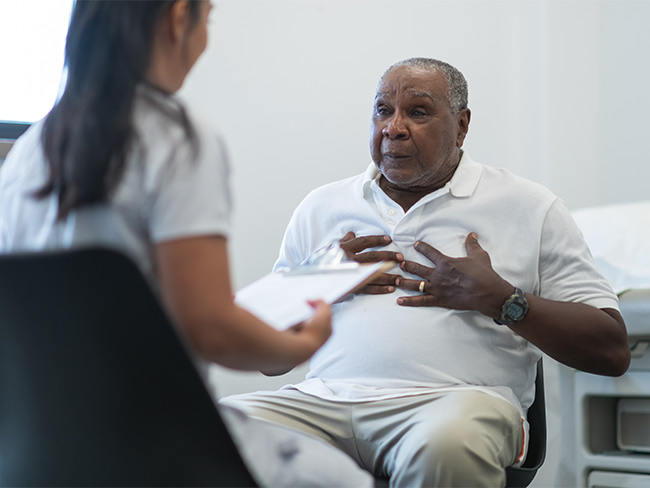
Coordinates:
307 337
317 329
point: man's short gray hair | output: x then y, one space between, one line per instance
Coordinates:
456 83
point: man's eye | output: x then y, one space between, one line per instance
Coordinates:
418 113
381 111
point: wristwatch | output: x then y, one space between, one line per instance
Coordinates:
514 309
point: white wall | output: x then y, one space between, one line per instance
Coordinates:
558 92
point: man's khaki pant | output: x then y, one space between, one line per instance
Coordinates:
449 439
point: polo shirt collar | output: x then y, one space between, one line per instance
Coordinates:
466 177
168 102
462 183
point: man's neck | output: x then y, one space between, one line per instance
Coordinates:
407 197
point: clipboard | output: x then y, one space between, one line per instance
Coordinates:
280 299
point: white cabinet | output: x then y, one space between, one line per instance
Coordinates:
602 455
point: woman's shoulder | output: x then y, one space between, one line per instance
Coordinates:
166 119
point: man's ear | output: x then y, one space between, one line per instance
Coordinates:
464 117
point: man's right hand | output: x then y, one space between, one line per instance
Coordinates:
354 248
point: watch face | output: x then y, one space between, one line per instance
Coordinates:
515 311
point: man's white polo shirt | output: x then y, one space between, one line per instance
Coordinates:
381 350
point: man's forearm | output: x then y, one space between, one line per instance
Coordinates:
577 335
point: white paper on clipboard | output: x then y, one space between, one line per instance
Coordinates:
280 299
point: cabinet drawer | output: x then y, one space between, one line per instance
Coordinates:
605 479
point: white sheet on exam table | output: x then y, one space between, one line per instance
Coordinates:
618 237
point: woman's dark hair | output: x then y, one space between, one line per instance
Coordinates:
87 135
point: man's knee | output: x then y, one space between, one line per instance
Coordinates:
279 456
453 455
465 442
462 452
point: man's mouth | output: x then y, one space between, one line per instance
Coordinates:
396 155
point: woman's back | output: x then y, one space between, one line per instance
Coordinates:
172 187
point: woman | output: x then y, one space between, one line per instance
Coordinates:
119 161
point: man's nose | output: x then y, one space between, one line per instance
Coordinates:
395 128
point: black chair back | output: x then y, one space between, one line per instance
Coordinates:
522 476
96 387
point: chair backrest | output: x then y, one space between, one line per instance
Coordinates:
96 387
522 476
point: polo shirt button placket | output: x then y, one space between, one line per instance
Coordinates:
390 218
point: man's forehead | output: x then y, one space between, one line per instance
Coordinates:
411 93
412 83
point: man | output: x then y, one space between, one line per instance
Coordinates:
429 385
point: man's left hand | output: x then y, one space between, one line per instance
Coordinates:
468 283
